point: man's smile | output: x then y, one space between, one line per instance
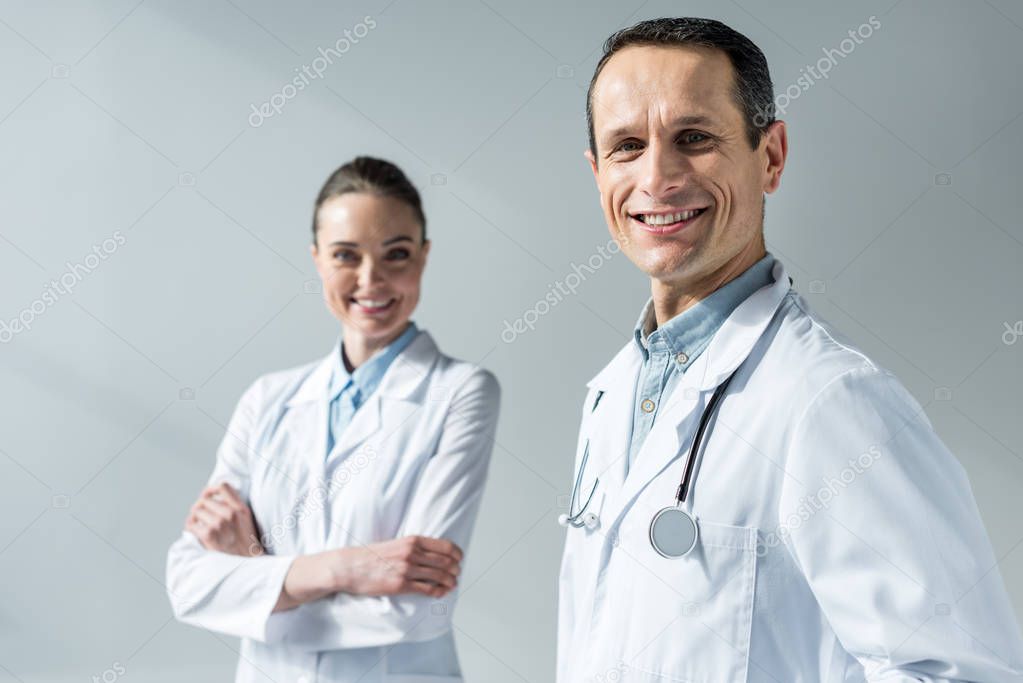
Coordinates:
666 222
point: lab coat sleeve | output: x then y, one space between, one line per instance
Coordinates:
226 593
885 529
444 505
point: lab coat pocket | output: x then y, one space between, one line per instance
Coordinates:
690 617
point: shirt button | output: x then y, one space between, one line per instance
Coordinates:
647 405
681 358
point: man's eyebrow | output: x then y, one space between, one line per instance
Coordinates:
690 120
693 120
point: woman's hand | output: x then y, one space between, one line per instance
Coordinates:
222 521
413 564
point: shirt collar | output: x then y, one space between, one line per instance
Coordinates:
689 332
366 378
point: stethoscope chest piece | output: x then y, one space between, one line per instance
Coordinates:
673 532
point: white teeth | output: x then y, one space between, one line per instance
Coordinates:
370 303
668 218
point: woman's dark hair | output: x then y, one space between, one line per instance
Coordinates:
754 93
375 176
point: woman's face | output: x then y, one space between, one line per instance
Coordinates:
370 258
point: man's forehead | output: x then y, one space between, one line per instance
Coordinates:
677 80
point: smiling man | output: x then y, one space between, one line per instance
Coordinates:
755 499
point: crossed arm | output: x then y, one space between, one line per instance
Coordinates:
222 521
220 578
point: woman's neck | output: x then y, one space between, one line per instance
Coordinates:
357 348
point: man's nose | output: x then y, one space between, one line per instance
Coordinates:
662 171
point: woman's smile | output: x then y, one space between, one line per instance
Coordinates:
372 306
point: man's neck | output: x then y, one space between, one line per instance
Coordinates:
673 298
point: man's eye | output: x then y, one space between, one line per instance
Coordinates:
693 137
628 146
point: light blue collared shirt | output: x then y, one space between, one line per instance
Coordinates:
669 350
349 390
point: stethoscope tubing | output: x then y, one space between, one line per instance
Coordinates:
574 518
694 450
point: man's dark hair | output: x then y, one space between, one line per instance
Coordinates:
374 176
754 93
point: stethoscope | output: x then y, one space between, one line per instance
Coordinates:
581 518
673 531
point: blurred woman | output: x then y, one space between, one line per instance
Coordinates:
330 536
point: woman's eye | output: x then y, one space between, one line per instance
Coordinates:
346 257
398 254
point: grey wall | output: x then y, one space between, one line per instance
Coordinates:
130 122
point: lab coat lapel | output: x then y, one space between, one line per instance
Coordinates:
610 422
398 395
308 415
675 425
365 422
399 385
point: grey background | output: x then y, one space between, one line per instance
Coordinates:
132 117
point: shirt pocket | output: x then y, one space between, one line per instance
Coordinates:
689 618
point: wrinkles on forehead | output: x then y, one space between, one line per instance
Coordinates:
644 87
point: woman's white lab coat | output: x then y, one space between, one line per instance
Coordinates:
412 461
838 536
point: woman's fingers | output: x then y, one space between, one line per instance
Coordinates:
228 492
437 576
441 546
224 495
217 508
434 560
217 518
206 516
438 560
223 521
426 588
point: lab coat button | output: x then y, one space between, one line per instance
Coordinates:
647 405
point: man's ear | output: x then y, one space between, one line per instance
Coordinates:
776 148
593 162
